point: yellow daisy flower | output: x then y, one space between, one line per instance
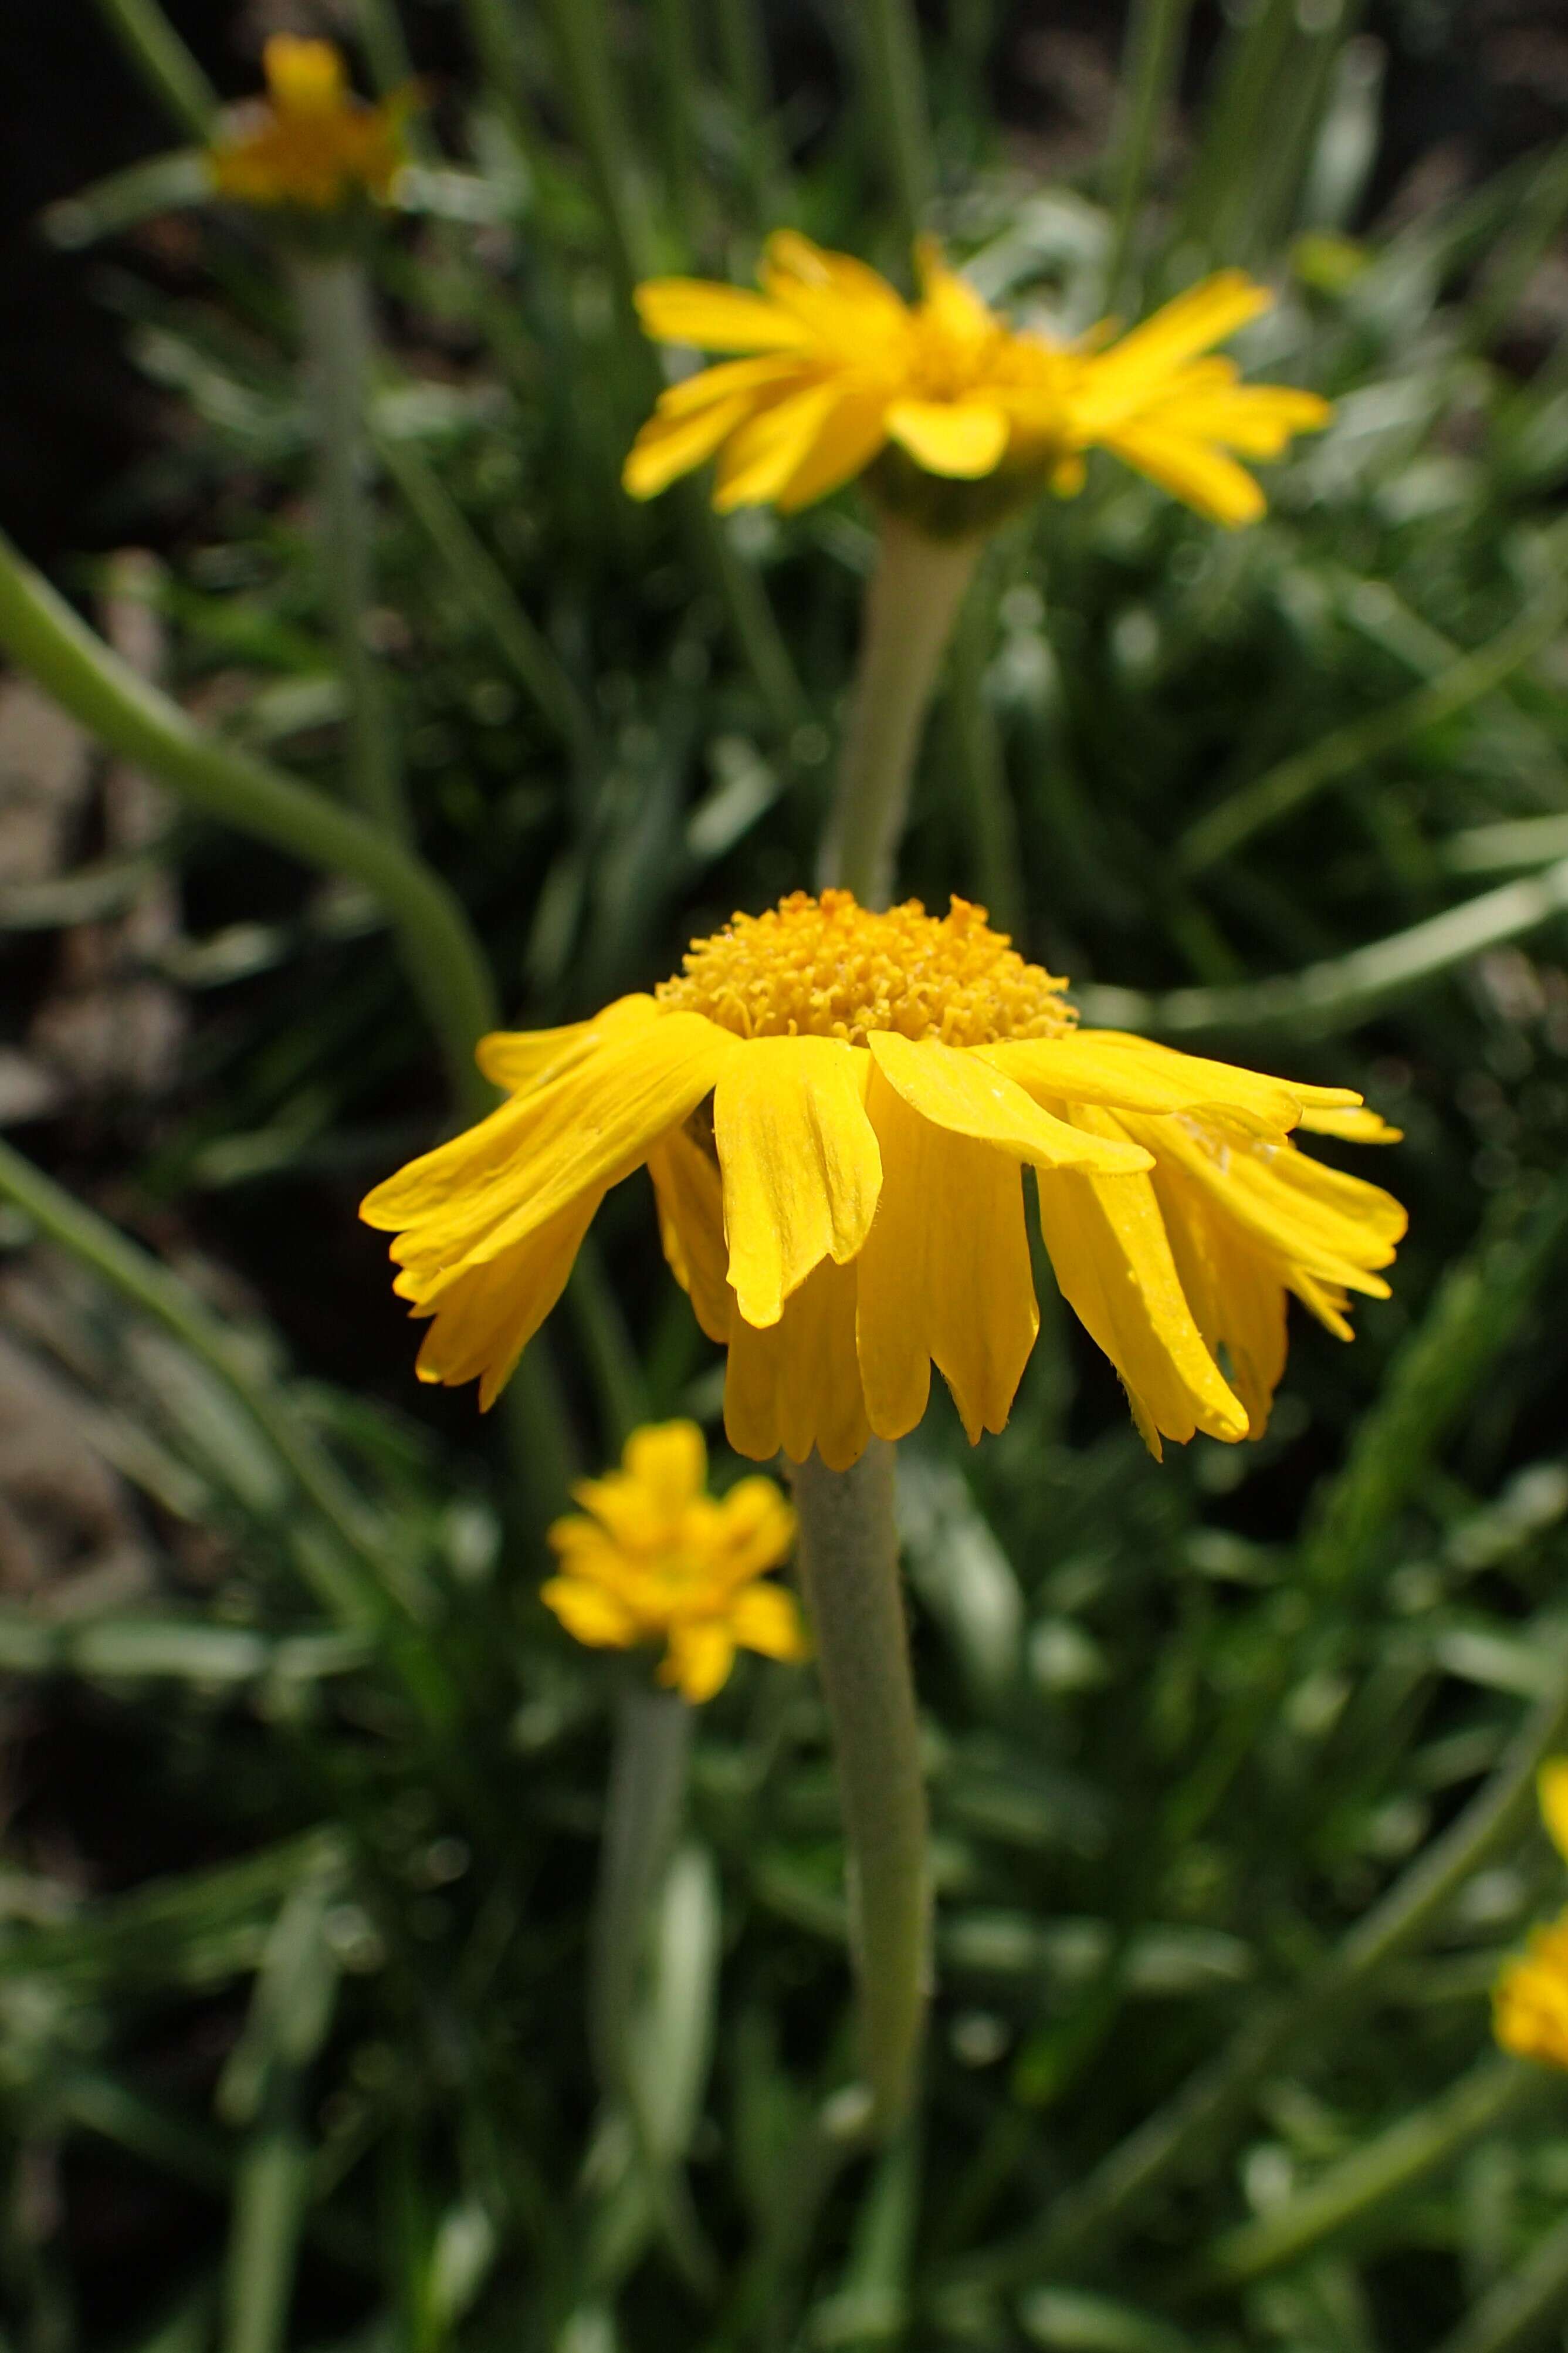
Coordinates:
836 1108
1530 2001
310 142
652 1554
839 369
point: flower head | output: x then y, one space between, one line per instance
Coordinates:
836 1108
311 145
652 1554
1530 2001
839 372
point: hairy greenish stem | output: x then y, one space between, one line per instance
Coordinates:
849 1568
331 296
642 1814
911 603
446 964
165 63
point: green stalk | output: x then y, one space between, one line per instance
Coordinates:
1417 2146
896 97
446 964
849 1571
1150 62
1166 2143
911 604
332 295
642 1814
1513 2313
165 63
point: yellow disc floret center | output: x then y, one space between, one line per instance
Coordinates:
827 967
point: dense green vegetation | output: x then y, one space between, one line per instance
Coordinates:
1230 1758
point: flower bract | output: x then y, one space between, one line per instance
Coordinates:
837 1109
309 144
652 1556
1530 2001
833 369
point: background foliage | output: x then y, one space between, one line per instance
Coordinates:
1230 1758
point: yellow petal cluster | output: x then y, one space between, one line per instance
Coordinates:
1530 2001
836 1108
653 1556
310 142
834 367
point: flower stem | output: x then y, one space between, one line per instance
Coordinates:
642 1814
849 1567
446 964
911 604
165 64
332 294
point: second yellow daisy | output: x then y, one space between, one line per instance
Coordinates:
837 369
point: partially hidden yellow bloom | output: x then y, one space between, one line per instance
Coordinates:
653 1555
310 142
838 368
836 1108
1530 2001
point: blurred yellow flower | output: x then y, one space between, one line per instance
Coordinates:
654 1555
840 368
836 1108
310 142
1530 2001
